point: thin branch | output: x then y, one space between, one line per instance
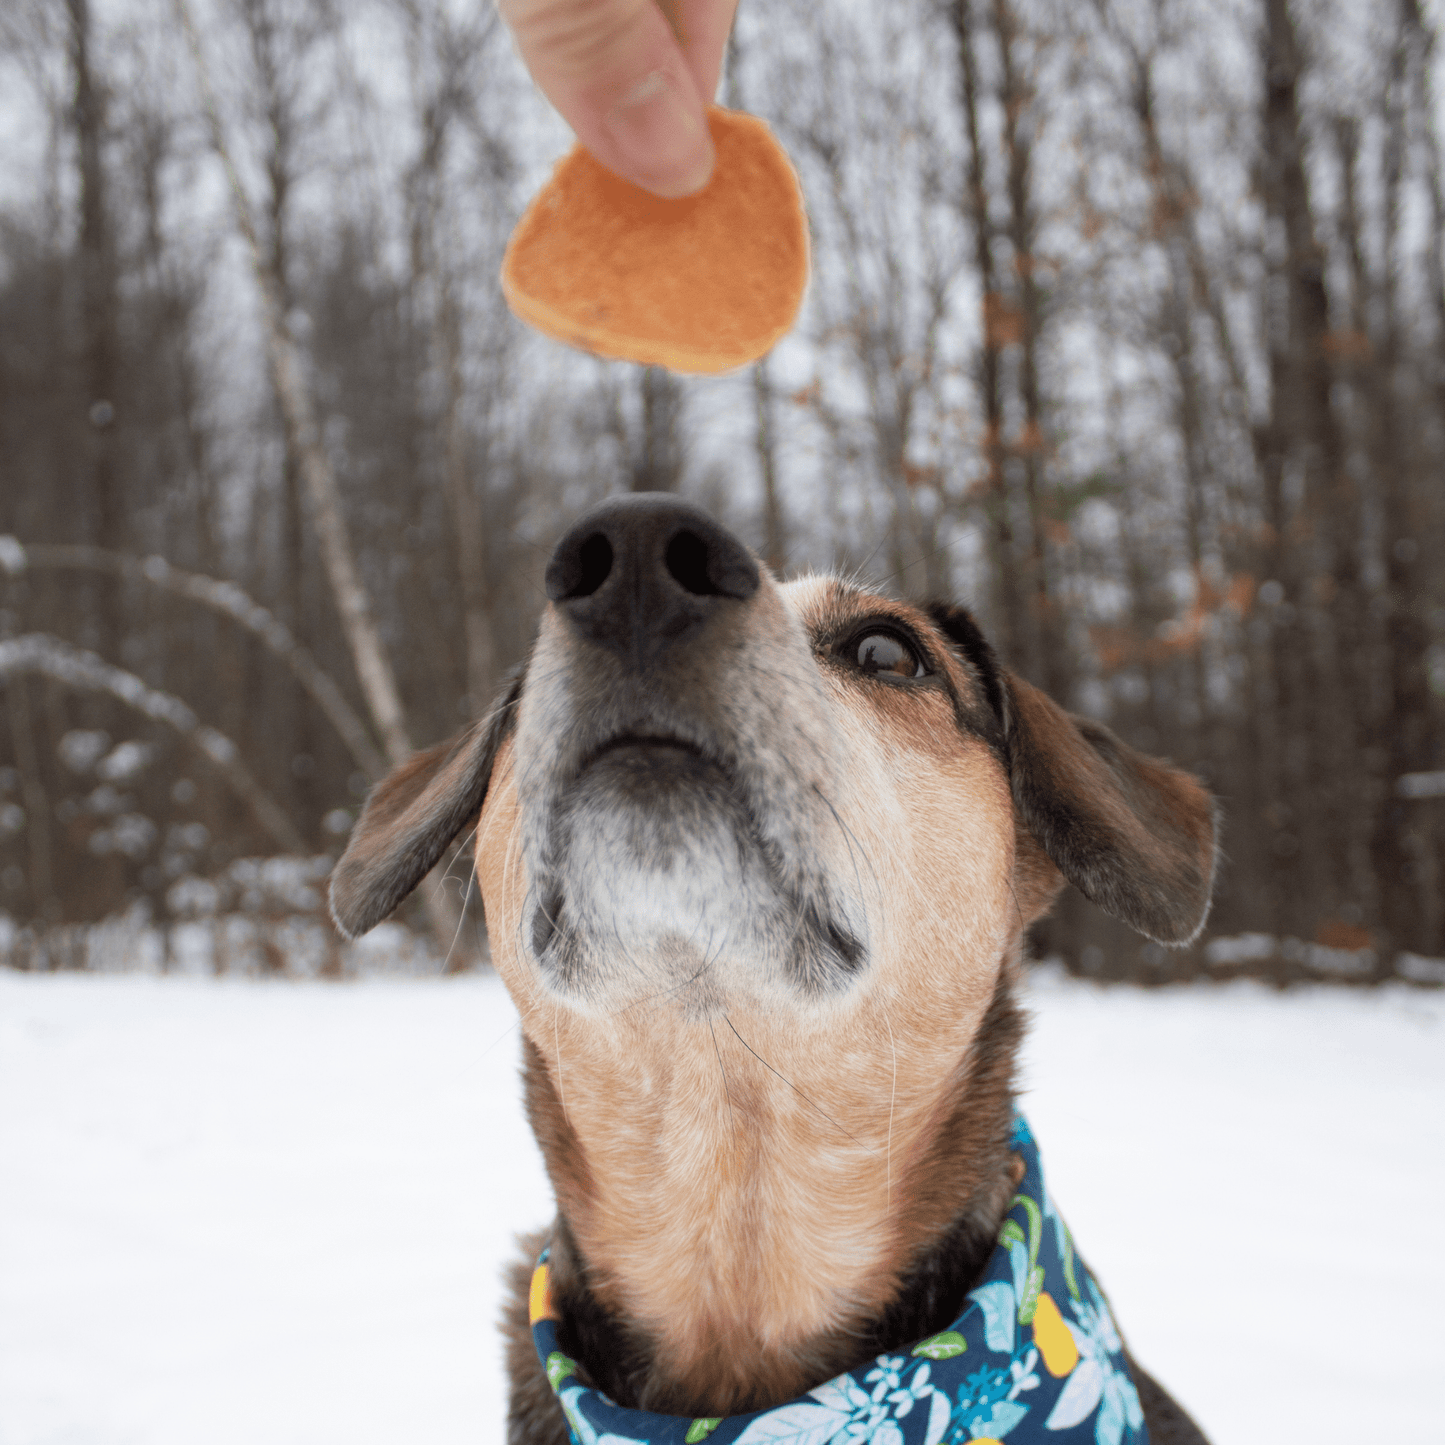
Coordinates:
36 652
226 598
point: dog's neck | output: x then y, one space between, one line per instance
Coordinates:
804 1225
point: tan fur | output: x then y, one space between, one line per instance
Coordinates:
772 1210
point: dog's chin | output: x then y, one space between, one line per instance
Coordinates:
657 886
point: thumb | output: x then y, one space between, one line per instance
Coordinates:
616 72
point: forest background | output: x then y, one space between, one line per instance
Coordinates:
1127 326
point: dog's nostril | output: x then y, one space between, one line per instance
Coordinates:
594 562
687 564
579 566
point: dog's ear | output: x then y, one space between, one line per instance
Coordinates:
412 815
1131 833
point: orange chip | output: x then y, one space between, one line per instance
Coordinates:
703 284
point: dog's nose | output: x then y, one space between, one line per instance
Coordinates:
642 571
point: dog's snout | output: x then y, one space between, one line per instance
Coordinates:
642 571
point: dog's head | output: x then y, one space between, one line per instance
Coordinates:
757 861
722 791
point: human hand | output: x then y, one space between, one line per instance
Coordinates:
632 78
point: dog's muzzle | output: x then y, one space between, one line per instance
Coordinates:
675 753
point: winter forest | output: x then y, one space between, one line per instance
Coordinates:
1126 326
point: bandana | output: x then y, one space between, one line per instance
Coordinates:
1034 1357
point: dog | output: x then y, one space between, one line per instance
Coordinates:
758 861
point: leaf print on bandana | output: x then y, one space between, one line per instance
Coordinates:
1027 1272
941 1347
1064 1242
998 1303
558 1368
1097 1379
803 1422
847 1412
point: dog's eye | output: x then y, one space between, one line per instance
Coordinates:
887 654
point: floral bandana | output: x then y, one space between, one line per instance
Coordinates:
1033 1358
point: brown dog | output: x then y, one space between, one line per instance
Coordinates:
757 862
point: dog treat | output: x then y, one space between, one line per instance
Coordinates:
702 284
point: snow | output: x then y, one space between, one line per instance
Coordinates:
1259 1180
1421 785
238 1211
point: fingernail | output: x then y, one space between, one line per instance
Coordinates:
665 143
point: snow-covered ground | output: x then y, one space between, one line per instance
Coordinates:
242 1212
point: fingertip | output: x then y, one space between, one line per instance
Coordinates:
618 74
659 138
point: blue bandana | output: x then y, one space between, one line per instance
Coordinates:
1033 1358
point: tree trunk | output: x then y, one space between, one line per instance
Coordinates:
1047 664
467 515
1170 206
1310 551
273 56
1401 736
100 326
775 546
994 312
658 465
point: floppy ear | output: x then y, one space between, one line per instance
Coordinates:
1131 833
412 815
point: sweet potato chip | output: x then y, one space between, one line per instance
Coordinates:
702 284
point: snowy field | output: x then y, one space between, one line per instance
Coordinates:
239 1212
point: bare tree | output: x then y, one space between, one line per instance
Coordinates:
445 60
997 330
99 310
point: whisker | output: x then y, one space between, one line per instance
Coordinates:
457 853
561 1084
461 922
1023 927
850 837
732 1121
877 547
668 992
542 909
795 1088
623 950
892 1101
510 1029
923 557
